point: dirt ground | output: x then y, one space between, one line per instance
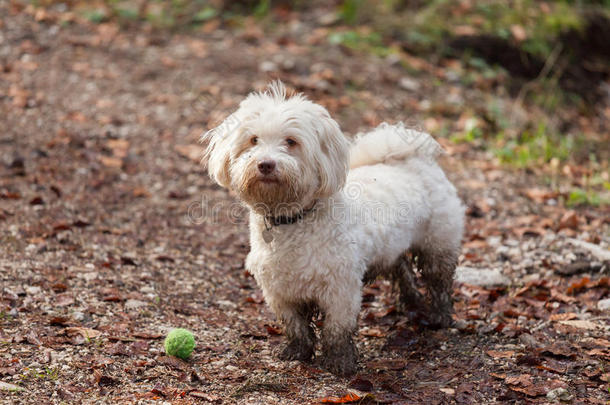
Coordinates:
111 233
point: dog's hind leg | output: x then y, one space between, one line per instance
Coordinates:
402 273
438 269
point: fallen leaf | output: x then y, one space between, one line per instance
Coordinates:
563 317
111 162
578 285
582 324
524 383
569 220
346 399
372 332
87 333
192 152
203 395
500 354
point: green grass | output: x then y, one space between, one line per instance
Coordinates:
48 374
534 147
360 40
425 27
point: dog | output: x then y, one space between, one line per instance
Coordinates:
328 214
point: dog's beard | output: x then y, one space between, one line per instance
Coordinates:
281 197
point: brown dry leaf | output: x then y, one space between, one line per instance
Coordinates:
372 332
119 147
205 396
560 350
198 48
557 296
525 384
582 324
496 354
86 333
540 195
174 363
191 152
111 162
33 339
569 220
476 244
578 285
76 116
141 192
19 95
563 317
346 399
64 300
599 353
387 364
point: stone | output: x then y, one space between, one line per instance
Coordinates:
4 386
604 305
409 84
480 277
134 304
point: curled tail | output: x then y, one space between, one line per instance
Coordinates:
392 144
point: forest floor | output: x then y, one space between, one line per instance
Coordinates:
111 233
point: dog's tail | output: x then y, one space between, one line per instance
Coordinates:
392 144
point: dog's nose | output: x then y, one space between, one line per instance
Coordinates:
266 166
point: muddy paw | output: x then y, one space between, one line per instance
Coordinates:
436 321
341 365
295 350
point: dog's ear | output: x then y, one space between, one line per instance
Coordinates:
218 152
333 161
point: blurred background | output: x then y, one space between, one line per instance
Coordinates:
526 81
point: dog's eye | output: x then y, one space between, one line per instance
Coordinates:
291 142
254 140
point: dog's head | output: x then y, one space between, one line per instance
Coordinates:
278 150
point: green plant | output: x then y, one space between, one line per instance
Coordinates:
537 147
360 40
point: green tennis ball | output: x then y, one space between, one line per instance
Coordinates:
179 343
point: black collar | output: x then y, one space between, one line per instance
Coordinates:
271 221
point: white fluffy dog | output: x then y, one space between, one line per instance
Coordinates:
327 215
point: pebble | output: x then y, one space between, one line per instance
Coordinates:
32 290
9 387
135 304
409 84
480 277
560 394
604 305
78 316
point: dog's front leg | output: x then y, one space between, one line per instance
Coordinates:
340 320
296 319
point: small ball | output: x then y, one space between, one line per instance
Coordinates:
180 343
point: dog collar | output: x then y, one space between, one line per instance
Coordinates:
271 221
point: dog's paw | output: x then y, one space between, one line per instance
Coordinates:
295 350
341 365
438 321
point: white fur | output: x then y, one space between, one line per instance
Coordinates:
395 197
